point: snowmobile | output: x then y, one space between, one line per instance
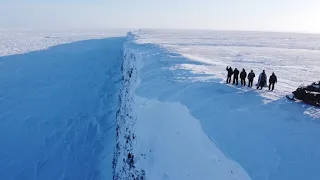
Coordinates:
309 94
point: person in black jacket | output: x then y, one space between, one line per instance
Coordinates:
230 72
262 81
272 81
251 76
235 76
243 76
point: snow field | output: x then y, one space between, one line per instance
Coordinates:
267 135
155 104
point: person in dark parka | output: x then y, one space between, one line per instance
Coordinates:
272 81
243 76
235 76
230 72
251 76
262 80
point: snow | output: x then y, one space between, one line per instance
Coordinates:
154 105
293 57
179 149
255 133
58 99
23 41
165 140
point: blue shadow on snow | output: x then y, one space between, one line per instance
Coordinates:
57 111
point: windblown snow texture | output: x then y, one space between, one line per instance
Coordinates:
267 135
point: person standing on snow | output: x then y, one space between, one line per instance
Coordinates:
235 76
272 81
262 80
251 76
230 72
243 76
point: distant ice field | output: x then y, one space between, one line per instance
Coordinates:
22 41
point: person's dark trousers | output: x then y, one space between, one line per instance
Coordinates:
228 79
243 82
271 86
235 80
250 83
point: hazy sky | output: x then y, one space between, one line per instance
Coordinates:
261 15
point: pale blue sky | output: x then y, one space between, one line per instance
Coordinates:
261 15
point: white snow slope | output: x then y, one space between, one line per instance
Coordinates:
58 100
181 121
154 105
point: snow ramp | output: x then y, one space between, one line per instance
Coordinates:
178 120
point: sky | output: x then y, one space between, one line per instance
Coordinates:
248 15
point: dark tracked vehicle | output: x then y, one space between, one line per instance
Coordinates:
309 94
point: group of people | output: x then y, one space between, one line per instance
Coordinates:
262 80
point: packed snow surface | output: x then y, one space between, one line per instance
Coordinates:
182 81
